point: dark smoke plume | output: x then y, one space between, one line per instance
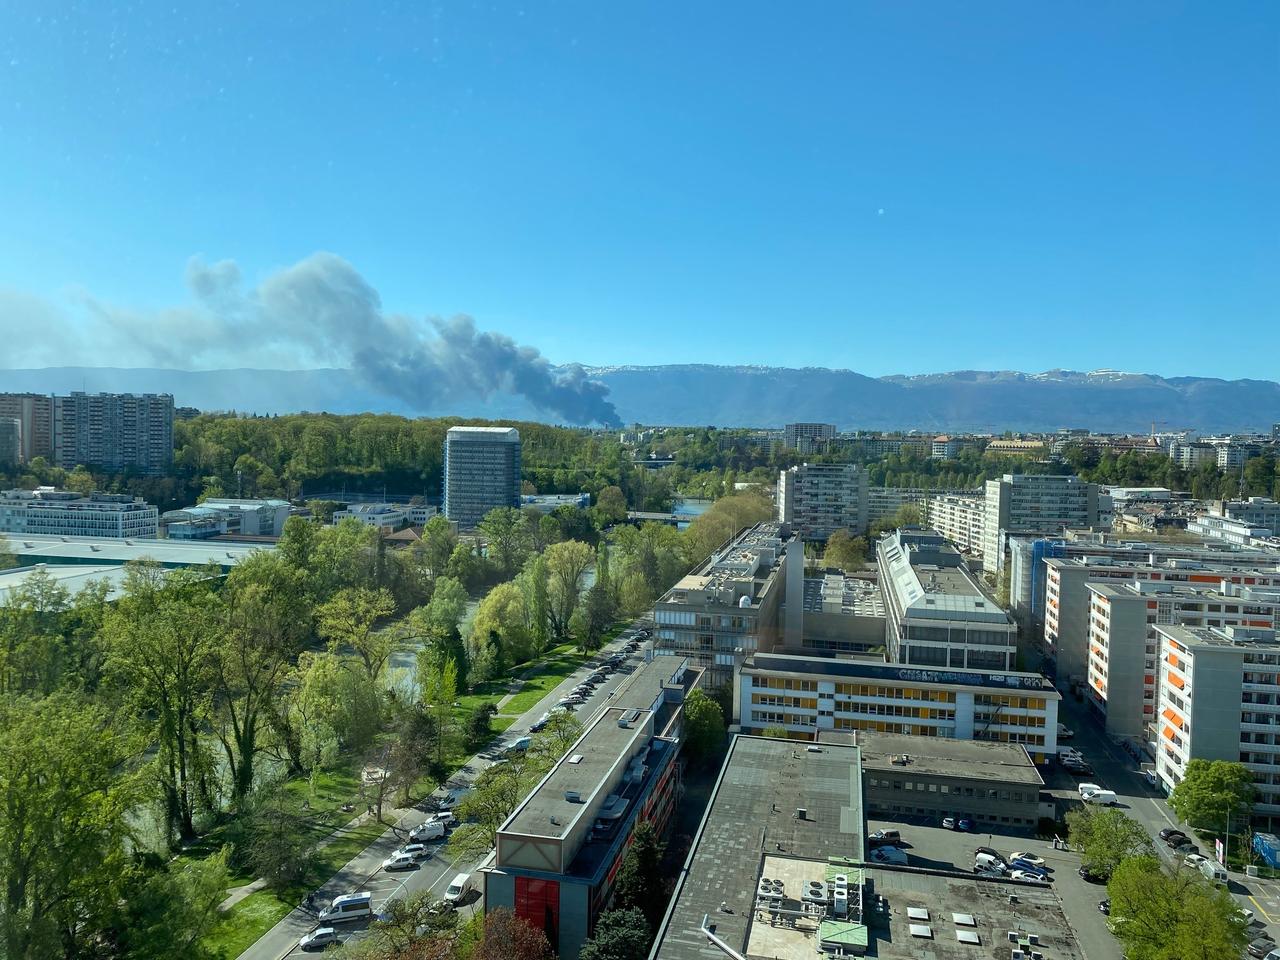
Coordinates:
323 311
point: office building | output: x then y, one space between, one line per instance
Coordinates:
1067 606
959 518
114 431
1230 530
559 851
34 414
57 550
811 695
10 442
817 499
1256 512
1037 506
481 472
807 437
1017 448
994 784
732 605
225 516
1124 645
936 614
842 613
1218 701
64 513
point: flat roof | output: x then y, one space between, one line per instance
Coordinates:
855 596
854 668
751 816
973 759
642 689
71 578
493 433
583 771
32 548
1192 637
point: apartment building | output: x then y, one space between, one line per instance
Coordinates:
1067 606
10 442
114 431
1218 700
558 854
808 695
1036 506
65 513
1123 645
946 448
34 414
1256 512
1232 454
884 502
959 518
817 499
936 614
1189 455
807 437
732 606
481 472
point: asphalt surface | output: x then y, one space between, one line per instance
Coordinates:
435 873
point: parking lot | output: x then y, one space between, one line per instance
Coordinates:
934 847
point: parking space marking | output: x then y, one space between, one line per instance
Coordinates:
1271 918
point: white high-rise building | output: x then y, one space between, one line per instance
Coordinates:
817 499
481 472
1036 505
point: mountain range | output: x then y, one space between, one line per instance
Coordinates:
707 394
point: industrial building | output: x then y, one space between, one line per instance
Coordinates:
481 472
226 517
69 514
817 499
733 604
808 695
994 784
558 853
936 614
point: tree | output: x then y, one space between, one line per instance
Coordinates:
619 935
405 923
480 726
166 912
508 937
777 733
499 633
611 505
845 551
566 563
1210 791
505 530
348 621
279 849
493 796
1160 914
533 585
703 726
598 613
7 559
438 680
1106 836
336 692
640 884
64 808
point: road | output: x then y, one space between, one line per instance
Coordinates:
365 871
1115 770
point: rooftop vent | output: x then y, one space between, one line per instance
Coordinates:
628 718
573 796
802 813
576 758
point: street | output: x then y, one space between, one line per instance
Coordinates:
365 871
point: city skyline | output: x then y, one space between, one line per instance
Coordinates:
921 191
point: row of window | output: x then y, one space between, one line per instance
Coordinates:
977 793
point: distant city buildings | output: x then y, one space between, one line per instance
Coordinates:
936 614
386 517
225 516
114 431
65 513
807 437
481 472
1036 505
817 499
34 414
960 518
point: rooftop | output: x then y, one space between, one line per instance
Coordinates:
928 577
1240 639
484 433
973 759
70 578
751 817
837 593
853 668
581 774
30 548
645 688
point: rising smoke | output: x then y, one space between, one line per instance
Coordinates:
322 312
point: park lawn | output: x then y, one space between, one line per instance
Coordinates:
238 929
543 680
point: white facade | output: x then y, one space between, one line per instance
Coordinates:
1035 505
64 513
959 518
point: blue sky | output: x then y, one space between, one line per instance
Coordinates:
889 187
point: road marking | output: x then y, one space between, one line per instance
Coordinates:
1263 910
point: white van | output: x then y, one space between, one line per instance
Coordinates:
1105 798
431 830
986 861
458 888
1214 872
349 906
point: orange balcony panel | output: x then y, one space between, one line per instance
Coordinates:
1176 681
1168 733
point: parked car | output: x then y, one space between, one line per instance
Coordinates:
1103 798
1065 732
318 939
964 824
990 853
400 861
430 830
990 862
1084 788
949 823
886 837
458 888
446 817
1168 832
540 723
1090 876
1104 906
1194 860
1186 847
418 851
888 855
1019 864
1261 947
519 745
1026 876
1030 858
